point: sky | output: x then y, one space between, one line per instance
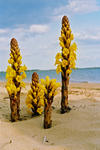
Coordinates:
36 24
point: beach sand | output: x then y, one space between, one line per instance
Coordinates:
77 130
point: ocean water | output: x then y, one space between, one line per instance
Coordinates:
91 75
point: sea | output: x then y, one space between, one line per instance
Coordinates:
88 75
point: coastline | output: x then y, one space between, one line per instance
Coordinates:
90 75
76 130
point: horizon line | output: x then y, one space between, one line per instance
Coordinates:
55 69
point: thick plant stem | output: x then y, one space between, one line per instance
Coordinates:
15 101
18 105
47 116
15 74
15 107
64 100
65 60
50 87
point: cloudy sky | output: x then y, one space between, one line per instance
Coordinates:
36 24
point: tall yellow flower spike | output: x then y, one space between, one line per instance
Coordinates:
65 61
35 96
50 87
14 76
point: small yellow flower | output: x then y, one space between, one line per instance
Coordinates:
68 42
58 56
9 90
16 65
15 56
9 69
19 59
62 44
65 52
68 71
23 75
22 69
57 62
46 101
18 89
30 96
71 37
35 101
11 61
18 78
42 81
58 69
34 94
11 55
22 84
47 81
68 33
40 110
73 47
30 106
64 63
72 64
20 62
50 94
61 39
41 102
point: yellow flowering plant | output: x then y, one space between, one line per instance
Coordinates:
50 90
65 60
15 74
35 96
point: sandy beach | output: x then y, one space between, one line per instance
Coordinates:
77 130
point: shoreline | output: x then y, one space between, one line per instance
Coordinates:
95 84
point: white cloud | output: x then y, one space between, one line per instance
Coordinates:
2 31
36 28
35 45
20 33
39 50
88 35
78 6
3 39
